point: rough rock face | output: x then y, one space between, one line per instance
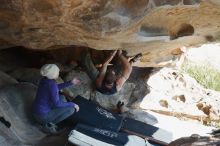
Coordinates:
6 80
137 26
175 93
15 106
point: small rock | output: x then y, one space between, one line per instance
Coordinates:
163 103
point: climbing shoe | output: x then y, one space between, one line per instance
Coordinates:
49 128
136 58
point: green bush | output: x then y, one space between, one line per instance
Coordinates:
205 74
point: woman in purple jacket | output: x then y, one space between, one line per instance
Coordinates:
49 108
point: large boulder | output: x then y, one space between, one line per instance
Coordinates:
84 89
31 75
7 137
16 101
5 79
103 24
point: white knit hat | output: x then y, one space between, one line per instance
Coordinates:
51 71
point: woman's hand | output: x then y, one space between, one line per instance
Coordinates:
76 81
76 107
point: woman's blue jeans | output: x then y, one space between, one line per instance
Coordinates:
56 115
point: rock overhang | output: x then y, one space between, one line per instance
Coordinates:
154 27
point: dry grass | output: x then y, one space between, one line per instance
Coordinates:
204 74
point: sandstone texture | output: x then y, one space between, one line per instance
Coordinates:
56 31
154 27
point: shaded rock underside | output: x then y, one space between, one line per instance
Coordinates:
153 27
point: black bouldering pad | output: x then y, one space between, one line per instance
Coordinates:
87 135
145 130
94 115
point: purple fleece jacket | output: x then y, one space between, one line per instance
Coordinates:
48 98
